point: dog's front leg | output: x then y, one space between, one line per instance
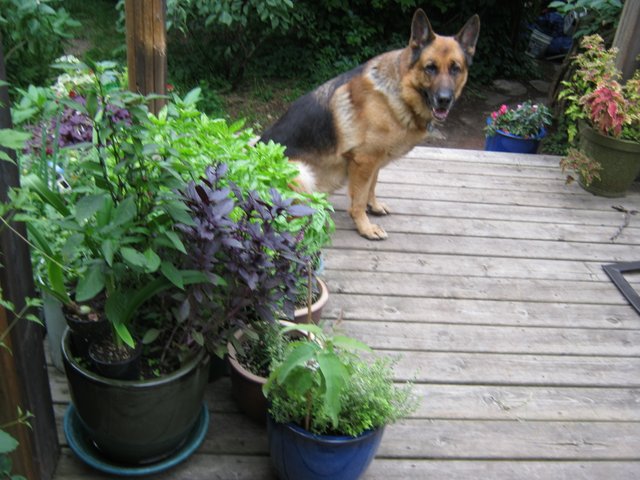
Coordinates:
362 174
376 207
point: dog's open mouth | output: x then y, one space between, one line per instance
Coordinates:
440 113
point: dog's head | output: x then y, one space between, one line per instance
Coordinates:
437 66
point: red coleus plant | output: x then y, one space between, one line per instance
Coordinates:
607 109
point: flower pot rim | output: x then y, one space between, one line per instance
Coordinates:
332 439
622 143
232 355
147 383
318 304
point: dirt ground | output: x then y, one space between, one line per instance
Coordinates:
465 126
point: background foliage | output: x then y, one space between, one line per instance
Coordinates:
229 39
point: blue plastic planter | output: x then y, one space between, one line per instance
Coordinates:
297 454
506 142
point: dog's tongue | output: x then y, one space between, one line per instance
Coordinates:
440 113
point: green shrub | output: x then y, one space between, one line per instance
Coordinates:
33 33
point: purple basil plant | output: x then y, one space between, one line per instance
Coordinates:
74 127
253 266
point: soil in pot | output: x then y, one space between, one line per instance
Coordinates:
115 361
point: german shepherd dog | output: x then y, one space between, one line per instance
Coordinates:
350 127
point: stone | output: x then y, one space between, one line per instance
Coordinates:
540 85
510 87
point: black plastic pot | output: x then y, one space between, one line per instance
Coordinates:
84 332
124 369
137 421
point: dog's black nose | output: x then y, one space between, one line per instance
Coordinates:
444 99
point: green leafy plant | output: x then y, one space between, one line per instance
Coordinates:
116 216
201 141
34 33
593 16
586 168
325 386
525 120
7 442
262 346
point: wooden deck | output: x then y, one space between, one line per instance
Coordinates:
491 289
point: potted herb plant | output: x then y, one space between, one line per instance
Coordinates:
517 130
605 115
329 406
255 267
112 249
251 354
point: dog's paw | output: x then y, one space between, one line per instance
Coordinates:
379 208
374 232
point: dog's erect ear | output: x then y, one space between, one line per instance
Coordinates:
467 37
421 32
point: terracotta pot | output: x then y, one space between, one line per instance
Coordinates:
246 387
301 315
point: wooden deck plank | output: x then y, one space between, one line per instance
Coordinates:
441 337
482 312
476 288
472 266
500 247
482 227
491 291
238 467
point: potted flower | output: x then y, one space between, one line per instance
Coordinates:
517 130
606 117
329 406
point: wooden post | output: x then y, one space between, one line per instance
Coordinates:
147 48
627 39
24 381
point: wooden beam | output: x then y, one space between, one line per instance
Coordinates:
24 381
627 39
147 48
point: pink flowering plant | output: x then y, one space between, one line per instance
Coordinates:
525 120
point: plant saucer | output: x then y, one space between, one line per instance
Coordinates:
84 448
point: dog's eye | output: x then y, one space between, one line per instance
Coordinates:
455 69
431 69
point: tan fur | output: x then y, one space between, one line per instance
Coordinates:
381 114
